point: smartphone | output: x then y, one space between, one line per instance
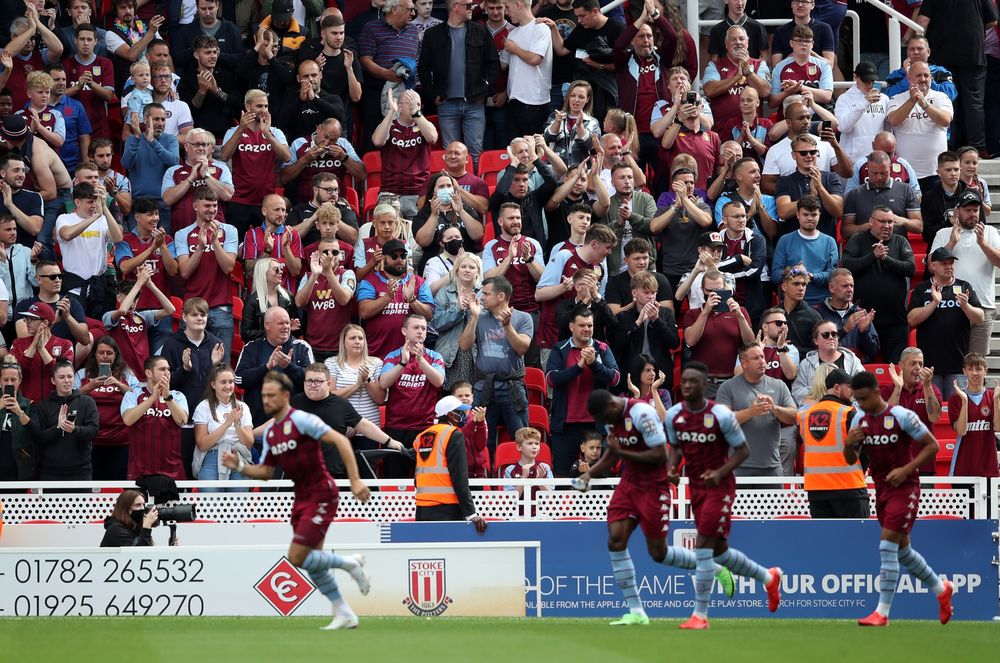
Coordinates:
593 152
826 124
877 86
104 370
692 97
8 390
724 296
71 416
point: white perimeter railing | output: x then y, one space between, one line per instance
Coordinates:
762 498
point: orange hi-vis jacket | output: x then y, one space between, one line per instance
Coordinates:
823 428
432 479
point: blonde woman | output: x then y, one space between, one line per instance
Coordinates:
450 315
354 375
569 131
267 292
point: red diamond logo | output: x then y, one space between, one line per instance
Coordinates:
284 587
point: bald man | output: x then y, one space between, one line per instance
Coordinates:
273 239
311 105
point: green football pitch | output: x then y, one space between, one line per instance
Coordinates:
441 640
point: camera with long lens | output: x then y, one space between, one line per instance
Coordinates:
174 513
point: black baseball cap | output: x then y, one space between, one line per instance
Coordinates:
837 376
392 246
969 197
866 71
941 254
711 239
281 11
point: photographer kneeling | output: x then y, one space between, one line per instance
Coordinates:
129 524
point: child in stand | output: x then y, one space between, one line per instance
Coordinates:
590 453
529 443
973 413
130 328
474 431
327 223
141 95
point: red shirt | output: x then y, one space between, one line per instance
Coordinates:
253 168
646 94
704 146
383 330
735 247
913 399
720 342
182 213
518 273
579 389
325 164
702 439
154 442
772 364
46 117
292 443
208 280
132 335
726 106
896 172
346 254
17 82
547 332
325 318
113 432
36 380
630 433
406 161
976 451
799 73
147 300
254 245
410 403
97 109
475 448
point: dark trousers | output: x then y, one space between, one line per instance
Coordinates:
187 450
992 105
893 339
110 462
500 410
243 217
649 148
850 506
969 126
400 466
495 135
371 112
566 448
525 120
440 512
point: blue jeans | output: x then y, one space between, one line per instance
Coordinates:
220 323
500 408
464 121
210 472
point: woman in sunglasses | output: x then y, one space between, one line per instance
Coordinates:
828 351
267 292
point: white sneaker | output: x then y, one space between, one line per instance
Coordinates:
360 574
341 621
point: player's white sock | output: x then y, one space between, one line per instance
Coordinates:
341 607
624 570
889 552
919 568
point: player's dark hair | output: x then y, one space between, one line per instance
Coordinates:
283 381
598 402
864 380
144 205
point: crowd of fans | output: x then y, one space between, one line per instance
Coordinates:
393 200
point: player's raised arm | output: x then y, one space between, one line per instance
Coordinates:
346 452
235 462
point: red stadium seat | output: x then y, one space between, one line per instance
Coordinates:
881 372
917 243
489 229
491 163
237 276
178 306
538 417
351 196
507 454
237 308
534 382
433 119
371 200
373 164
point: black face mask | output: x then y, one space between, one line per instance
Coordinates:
453 246
137 516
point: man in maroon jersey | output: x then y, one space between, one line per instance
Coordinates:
275 240
886 434
129 327
713 445
726 78
91 80
326 221
969 411
386 298
636 436
405 137
256 149
154 415
198 170
325 151
25 31
913 388
325 295
413 376
293 441
206 254
149 245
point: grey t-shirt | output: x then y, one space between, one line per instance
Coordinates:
456 66
495 355
761 432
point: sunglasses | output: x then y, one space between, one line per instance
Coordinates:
51 277
398 255
807 153
828 334
776 323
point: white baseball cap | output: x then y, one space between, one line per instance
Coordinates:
449 404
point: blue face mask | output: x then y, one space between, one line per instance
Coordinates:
444 195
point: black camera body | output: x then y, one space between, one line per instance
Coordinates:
176 513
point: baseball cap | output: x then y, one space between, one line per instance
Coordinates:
449 404
837 376
941 254
866 71
711 239
13 127
969 197
392 246
281 11
40 310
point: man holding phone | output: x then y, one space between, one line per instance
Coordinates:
716 331
861 111
67 423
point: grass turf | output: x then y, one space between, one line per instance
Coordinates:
442 640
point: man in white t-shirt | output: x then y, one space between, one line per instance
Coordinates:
977 255
919 118
527 55
861 112
179 120
779 159
83 237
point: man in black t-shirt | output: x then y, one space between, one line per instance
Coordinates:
340 415
619 288
944 307
736 15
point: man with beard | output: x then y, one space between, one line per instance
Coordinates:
148 154
75 120
23 204
341 68
976 248
882 264
920 118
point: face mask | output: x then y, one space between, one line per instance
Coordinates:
444 195
453 246
137 516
